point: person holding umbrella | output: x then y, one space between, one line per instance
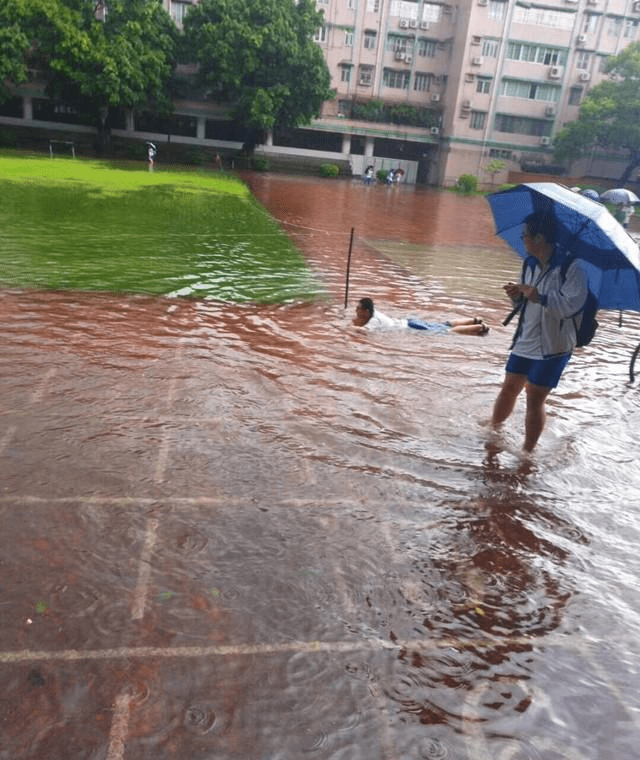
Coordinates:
545 336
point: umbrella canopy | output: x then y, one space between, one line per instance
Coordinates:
589 193
619 195
585 229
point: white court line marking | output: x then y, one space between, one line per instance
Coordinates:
42 387
144 571
119 727
308 647
6 438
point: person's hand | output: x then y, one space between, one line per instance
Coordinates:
513 290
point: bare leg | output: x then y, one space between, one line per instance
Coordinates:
466 321
470 328
511 388
536 415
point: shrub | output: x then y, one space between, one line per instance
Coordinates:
197 157
467 183
381 174
329 170
259 164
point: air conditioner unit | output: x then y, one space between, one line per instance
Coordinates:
404 23
584 76
550 111
435 130
399 55
483 2
581 39
408 58
466 104
413 23
476 60
592 2
425 25
636 7
435 98
545 140
555 72
476 39
571 2
469 76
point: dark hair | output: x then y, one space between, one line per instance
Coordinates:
367 304
541 223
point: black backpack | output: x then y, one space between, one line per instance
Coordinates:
588 324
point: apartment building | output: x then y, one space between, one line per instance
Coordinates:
438 89
465 82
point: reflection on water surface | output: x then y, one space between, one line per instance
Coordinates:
268 514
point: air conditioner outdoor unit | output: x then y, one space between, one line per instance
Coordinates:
636 7
469 76
483 2
399 55
408 58
592 2
476 60
555 72
425 25
476 39
584 76
413 23
581 39
545 140
435 98
550 111
466 104
404 23
435 130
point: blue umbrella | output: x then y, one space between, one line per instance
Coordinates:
585 229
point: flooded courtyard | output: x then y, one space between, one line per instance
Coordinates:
253 532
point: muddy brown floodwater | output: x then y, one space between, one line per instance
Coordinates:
241 532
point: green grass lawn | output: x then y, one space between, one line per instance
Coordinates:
87 225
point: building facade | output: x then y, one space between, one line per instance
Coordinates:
437 89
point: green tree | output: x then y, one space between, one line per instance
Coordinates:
125 60
495 166
609 116
259 57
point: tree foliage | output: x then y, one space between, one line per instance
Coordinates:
609 116
124 60
259 56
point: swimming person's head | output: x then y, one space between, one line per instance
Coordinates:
364 312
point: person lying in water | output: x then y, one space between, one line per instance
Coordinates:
367 316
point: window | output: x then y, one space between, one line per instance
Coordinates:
590 23
483 85
516 88
582 60
422 82
602 66
321 34
543 17
614 27
431 12
399 80
477 119
373 6
490 48
498 10
575 96
345 72
532 53
630 28
365 76
522 125
370 39
500 153
348 37
398 43
405 9
426 48
179 11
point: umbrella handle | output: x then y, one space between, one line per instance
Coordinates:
512 314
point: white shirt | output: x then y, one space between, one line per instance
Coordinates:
380 321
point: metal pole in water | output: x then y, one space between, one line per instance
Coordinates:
346 285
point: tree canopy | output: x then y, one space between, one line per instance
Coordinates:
609 115
124 60
259 57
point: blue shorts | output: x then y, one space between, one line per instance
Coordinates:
545 372
418 324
